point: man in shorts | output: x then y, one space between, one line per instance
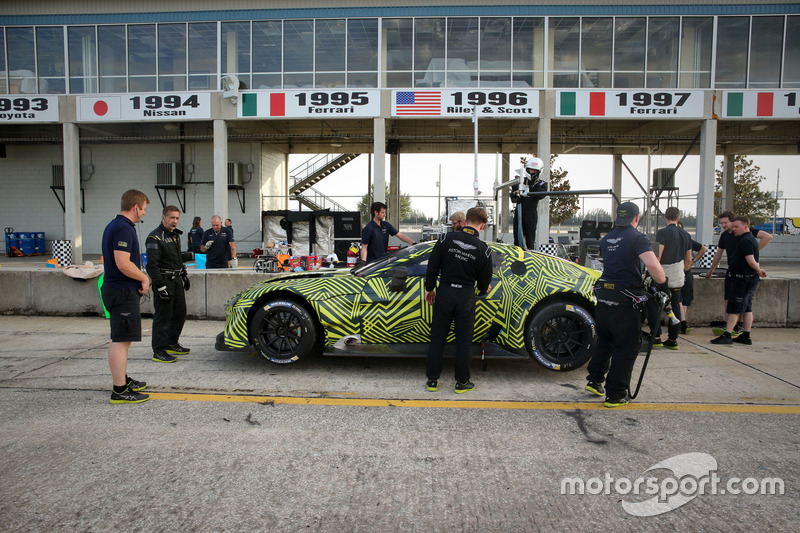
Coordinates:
123 284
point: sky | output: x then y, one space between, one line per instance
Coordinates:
419 173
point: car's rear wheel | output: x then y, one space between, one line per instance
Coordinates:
283 331
560 336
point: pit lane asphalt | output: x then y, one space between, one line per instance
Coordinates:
230 442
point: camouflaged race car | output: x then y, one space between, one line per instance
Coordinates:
538 306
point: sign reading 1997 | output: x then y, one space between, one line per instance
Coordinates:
637 104
29 109
487 103
310 104
162 106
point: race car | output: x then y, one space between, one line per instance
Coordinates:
538 306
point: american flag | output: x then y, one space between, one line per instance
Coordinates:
418 103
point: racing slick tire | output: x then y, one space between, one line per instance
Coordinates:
560 336
283 331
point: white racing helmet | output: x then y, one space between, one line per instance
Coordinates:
534 164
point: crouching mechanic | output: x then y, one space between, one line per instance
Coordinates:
169 280
619 296
462 259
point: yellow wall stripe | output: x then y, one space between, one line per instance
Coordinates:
478 404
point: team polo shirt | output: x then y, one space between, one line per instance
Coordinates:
218 254
620 250
746 245
120 234
676 242
377 238
728 241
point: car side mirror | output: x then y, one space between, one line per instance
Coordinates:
399 276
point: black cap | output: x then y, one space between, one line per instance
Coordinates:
626 212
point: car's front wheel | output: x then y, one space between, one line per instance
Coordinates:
283 331
561 335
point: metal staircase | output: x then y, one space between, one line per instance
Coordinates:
313 171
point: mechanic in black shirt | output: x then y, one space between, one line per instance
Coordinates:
460 259
744 273
687 291
170 281
675 256
727 242
620 300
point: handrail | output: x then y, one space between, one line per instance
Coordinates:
311 166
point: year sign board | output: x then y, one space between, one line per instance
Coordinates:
637 104
489 103
142 107
28 108
310 104
761 104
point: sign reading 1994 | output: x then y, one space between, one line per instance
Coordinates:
162 106
647 104
29 109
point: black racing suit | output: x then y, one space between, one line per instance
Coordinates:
164 264
530 216
462 259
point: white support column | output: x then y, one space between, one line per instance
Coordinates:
379 160
505 214
728 168
394 191
705 195
221 168
72 190
543 153
616 183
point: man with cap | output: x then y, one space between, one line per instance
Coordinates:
620 299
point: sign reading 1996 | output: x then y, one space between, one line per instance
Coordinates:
29 109
637 104
488 103
310 104
161 106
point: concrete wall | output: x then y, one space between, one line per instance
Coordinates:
28 203
50 292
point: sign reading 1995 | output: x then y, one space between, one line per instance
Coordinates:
487 102
310 104
161 106
637 104
29 108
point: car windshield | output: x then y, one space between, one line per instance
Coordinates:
387 259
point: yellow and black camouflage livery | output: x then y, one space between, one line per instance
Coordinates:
368 305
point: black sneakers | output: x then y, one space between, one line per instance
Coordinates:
164 357
657 342
461 388
177 349
671 344
134 385
127 396
432 385
595 388
725 338
617 402
744 338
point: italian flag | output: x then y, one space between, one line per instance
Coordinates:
569 104
741 103
269 105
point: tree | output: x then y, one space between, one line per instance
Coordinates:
748 198
561 207
366 201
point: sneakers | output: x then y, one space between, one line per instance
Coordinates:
164 357
134 385
595 388
127 396
718 331
461 388
432 385
721 331
725 338
671 344
738 329
616 402
657 342
685 328
744 338
177 349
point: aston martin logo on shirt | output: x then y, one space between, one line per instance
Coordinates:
464 246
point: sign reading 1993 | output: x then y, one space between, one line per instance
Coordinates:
161 106
487 102
310 104
637 104
28 108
